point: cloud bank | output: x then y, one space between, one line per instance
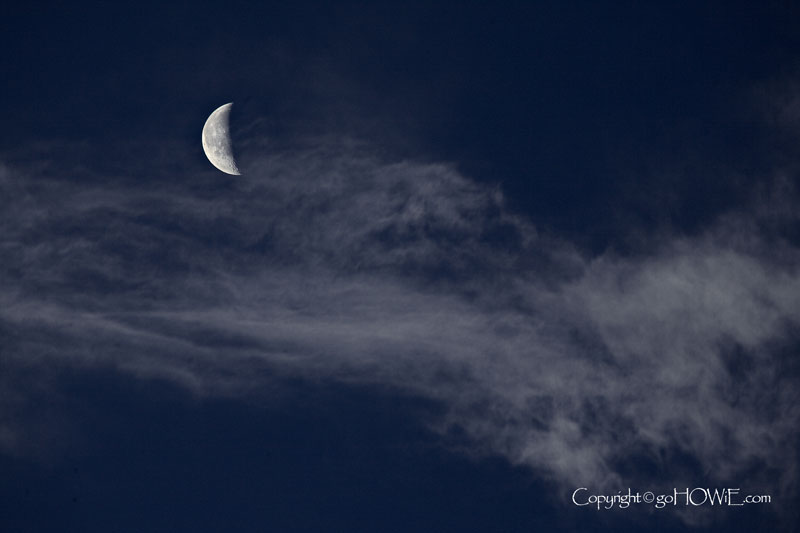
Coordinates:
604 371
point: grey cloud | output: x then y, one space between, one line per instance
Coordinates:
333 264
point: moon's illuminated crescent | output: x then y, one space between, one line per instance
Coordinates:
217 140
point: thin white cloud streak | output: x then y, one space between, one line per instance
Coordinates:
332 264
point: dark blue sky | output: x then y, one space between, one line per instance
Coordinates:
478 256
585 96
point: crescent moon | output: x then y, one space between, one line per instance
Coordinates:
217 140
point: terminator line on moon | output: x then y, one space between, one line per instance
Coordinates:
217 140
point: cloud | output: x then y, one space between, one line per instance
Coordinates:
604 370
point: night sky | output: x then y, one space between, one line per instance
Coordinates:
479 256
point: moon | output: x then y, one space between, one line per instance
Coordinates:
217 140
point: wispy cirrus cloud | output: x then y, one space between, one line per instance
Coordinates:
332 263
